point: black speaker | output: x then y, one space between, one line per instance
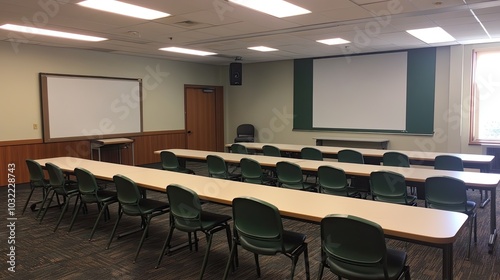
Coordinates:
235 74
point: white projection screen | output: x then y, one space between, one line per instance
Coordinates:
360 92
87 107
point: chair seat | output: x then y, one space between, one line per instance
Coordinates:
102 195
147 206
209 221
471 205
395 262
291 241
410 200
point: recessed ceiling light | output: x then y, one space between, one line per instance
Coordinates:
277 8
431 35
53 33
122 8
333 41
186 51
262 49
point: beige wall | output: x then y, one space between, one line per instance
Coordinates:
163 84
265 99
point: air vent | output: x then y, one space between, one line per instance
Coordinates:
187 23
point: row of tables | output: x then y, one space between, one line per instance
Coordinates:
420 225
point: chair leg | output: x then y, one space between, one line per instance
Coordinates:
65 208
167 244
120 213
43 209
306 262
209 237
230 260
28 199
105 210
74 216
144 234
257 266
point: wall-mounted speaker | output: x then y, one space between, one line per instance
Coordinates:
235 74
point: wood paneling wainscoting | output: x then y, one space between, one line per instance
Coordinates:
17 152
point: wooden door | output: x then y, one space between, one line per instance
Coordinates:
204 118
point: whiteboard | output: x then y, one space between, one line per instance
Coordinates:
87 107
360 92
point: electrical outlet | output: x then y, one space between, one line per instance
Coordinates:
35 126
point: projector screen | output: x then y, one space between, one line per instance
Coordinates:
86 107
360 92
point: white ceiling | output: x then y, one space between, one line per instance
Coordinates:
228 29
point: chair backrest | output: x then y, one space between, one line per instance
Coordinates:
251 171
185 207
446 193
387 185
311 153
258 225
169 161
270 150
56 178
354 242
37 177
217 167
332 180
245 130
289 175
448 162
395 159
350 156
128 195
239 149
87 184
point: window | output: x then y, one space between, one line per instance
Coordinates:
485 99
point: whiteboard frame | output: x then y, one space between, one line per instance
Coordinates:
112 127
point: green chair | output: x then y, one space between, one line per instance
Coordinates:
187 215
332 180
270 150
258 228
355 248
252 172
450 194
170 162
239 149
61 187
245 133
37 181
133 204
448 162
395 159
290 176
359 184
91 194
399 160
311 153
388 186
217 168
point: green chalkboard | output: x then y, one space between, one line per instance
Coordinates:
421 73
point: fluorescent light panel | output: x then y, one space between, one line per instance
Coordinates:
53 33
122 8
262 49
431 35
277 8
333 41
186 51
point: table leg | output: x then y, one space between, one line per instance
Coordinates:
493 222
448 261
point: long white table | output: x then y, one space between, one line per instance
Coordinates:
481 162
431 227
414 176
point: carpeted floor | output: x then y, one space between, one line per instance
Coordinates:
42 254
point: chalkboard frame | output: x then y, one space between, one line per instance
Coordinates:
100 131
